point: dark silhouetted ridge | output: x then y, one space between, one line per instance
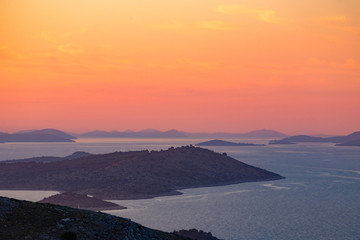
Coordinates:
28 220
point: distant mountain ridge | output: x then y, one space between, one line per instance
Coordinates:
54 135
153 133
147 133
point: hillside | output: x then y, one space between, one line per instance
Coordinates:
132 175
28 220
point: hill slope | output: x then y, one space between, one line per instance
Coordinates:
132 175
28 220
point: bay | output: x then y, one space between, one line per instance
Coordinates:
319 199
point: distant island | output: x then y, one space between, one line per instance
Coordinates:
81 201
217 142
349 143
44 135
352 139
132 175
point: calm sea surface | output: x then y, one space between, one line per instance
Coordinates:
319 199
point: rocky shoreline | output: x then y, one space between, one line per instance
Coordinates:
81 201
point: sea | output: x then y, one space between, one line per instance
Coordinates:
318 199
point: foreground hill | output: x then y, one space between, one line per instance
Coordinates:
28 220
132 175
217 142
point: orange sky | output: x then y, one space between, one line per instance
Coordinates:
205 65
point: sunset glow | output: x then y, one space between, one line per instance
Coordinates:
205 65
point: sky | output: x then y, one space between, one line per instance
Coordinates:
200 66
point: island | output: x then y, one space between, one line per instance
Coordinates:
50 131
43 135
349 140
81 201
29 220
134 174
217 142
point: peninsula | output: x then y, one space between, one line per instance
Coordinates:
132 175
